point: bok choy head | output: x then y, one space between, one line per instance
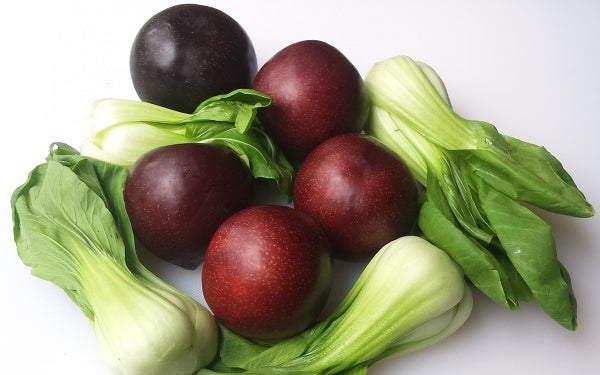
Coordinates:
476 179
71 228
120 131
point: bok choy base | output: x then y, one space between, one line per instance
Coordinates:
476 180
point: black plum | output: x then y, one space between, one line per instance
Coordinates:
317 94
188 53
176 197
359 191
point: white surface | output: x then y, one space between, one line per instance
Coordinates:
529 67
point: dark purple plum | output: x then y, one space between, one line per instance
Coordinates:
188 53
317 94
361 193
176 196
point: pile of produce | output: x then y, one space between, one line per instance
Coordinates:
380 170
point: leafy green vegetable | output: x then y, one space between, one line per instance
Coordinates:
410 296
123 130
476 180
71 228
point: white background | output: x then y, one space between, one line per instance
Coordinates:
529 67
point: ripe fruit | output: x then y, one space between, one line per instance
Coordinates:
188 53
360 192
176 197
267 272
317 94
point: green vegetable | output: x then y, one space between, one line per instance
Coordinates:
410 296
476 179
71 228
123 130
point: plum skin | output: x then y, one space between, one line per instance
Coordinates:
317 94
267 272
176 196
188 53
361 193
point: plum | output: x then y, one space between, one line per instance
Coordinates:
317 94
267 272
188 53
361 193
176 196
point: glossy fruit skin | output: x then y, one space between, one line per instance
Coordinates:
176 196
267 272
317 94
188 53
361 193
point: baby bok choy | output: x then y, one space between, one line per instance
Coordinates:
120 131
71 228
410 295
476 179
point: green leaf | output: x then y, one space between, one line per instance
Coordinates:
455 184
549 169
199 130
236 350
538 159
258 151
434 194
82 225
529 173
519 287
238 107
479 265
529 244
108 182
239 352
